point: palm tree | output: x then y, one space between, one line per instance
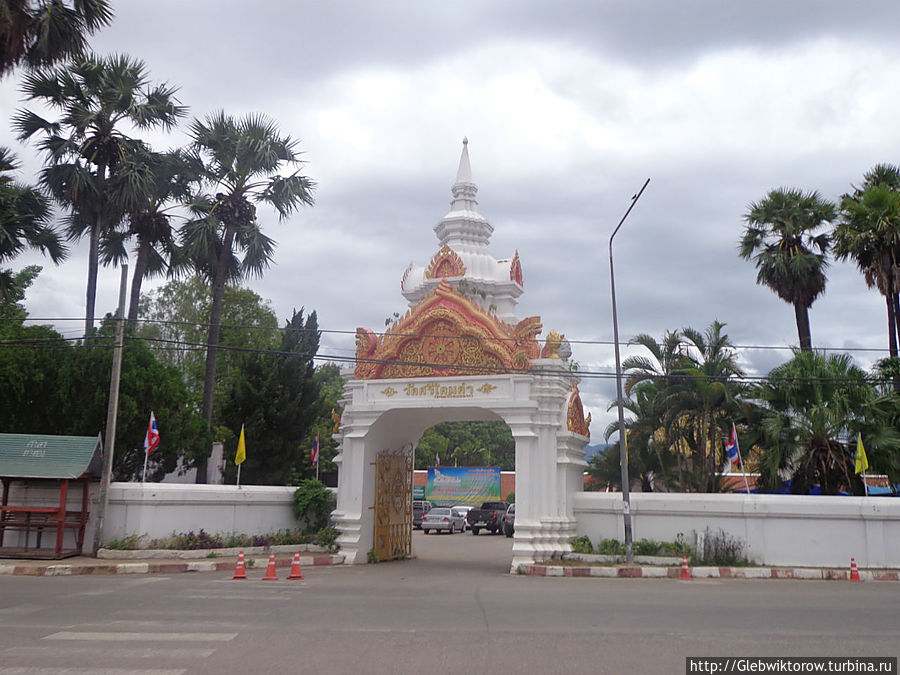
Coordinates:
85 148
781 239
39 33
869 232
704 399
812 409
242 161
24 216
147 186
666 353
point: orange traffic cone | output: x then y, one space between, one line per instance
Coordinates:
240 572
685 570
854 572
270 570
296 572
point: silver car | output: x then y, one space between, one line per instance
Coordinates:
442 519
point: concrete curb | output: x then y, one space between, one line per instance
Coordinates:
637 572
56 569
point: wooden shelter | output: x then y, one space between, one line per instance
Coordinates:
36 471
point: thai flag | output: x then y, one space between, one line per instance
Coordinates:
151 440
732 449
314 453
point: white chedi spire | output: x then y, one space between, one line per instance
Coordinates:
463 228
465 237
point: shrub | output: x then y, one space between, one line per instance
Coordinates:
511 498
611 547
721 548
326 537
129 543
191 541
582 545
313 504
645 547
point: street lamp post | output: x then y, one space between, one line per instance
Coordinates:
623 445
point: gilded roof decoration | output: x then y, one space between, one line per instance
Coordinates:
445 263
515 270
552 345
444 335
575 419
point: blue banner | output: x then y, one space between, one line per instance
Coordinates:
463 485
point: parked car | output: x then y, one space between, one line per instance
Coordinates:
463 511
420 508
488 517
442 519
509 521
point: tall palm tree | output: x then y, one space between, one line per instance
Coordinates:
38 33
96 97
869 233
781 238
24 217
242 161
148 186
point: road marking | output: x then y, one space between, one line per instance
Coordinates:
39 670
179 637
109 652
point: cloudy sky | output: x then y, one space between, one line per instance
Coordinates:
568 107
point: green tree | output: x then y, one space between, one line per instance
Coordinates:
96 97
467 444
275 399
24 221
811 410
175 323
242 161
782 237
869 233
38 33
148 186
52 387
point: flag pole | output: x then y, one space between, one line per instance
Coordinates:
146 455
239 476
744 473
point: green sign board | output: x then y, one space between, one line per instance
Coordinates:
471 485
418 492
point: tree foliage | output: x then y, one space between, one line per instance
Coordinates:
38 33
275 398
783 237
467 444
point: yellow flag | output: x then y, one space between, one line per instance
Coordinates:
241 453
862 462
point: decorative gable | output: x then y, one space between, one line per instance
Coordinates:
445 263
445 335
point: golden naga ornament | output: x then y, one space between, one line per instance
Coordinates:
575 419
444 335
515 269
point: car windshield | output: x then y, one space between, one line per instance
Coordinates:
439 512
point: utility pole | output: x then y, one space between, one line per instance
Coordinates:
112 412
623 445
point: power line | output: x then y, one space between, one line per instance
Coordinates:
331 331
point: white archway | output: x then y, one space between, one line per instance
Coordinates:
393 414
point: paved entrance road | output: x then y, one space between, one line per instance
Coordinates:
453 609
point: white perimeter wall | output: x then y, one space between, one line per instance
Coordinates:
159 509
778 529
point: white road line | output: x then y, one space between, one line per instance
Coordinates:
61 651
39 670
142 637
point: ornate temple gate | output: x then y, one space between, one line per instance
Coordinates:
459 354
393 504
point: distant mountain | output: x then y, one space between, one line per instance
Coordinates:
593 450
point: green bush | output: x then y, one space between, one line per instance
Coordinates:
129 543
313 504
611 547
511 498
721 548
582 545
645 547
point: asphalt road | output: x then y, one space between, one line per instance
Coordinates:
453 609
